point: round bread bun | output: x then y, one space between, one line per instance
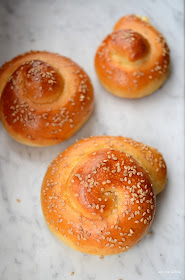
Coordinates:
133 61
98 196
45 98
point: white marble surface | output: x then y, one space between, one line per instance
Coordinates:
75 28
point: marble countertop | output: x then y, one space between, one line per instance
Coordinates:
75 28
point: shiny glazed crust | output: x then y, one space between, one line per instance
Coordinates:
98 196
133 61
45 98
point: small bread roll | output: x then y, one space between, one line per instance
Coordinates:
133 61
98 196
45 98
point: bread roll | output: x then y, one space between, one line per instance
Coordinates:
45 98
133 61
98 196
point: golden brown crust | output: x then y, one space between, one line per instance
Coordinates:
45 98
98 196
133 61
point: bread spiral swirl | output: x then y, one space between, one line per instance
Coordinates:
98 196
133 61
45 98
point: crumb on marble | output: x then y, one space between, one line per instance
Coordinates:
18 200
150 233
102 257
72 273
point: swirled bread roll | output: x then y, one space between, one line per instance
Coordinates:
133 61
45 98
98 196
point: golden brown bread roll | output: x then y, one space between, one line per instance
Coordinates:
45 98
132 61
98 196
